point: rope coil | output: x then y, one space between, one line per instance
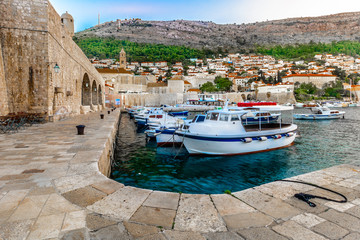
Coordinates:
306 197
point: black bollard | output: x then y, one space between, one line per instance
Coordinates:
101 116
80 129
108 112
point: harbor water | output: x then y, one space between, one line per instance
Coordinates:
321 144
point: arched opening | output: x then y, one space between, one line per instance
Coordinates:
100 93
268 94
248 97
94 92
243 97
85 91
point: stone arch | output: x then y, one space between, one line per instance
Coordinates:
243 96
94 93
100 94
248 97
85 91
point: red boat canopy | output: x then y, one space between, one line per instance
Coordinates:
253 104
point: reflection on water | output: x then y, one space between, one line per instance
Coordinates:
322 144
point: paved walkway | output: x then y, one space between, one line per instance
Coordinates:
51 188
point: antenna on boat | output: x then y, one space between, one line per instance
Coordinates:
226 105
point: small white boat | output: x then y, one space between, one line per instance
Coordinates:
299 105
223 133
320 113
353 104
165 136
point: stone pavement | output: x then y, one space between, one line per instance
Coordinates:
51 187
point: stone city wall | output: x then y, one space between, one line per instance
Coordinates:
281 98
65 87
33 40
23 28
132 99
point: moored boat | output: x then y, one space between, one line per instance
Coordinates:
223 133
165 136
320 113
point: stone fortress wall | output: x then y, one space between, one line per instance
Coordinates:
33 40
155 99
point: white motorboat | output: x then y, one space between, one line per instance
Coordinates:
223 133
320 113
165 136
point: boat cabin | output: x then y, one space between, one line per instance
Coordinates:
239 116
323 110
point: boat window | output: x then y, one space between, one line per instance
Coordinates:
159 116
214 116
235 117
262 114
224 117
200 119
194 120
152 116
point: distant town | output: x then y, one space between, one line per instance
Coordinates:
247 73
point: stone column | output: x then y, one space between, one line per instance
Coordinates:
4 103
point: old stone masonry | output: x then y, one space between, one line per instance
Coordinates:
42 70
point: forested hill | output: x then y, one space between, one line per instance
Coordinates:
110 47
232 37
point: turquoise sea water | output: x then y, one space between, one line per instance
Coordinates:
321 144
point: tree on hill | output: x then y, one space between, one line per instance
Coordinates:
208 87
223 84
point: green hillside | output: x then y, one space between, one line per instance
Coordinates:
307 51
140 52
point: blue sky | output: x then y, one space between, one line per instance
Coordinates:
85 12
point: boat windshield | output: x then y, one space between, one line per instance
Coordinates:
200 119
235 117
224 117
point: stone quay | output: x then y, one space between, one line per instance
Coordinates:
54 185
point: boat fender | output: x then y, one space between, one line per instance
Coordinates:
290 134
262 138
246 140
277 136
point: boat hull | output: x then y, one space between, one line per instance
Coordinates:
236 146
167 138
317 116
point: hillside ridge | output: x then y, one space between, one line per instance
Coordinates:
232 37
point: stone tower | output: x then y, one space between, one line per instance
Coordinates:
68 21
122 59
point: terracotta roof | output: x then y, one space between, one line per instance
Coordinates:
158 84
194 90
114 71
176 77
186 82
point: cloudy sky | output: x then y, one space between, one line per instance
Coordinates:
85 12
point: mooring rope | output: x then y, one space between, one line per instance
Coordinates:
306 197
